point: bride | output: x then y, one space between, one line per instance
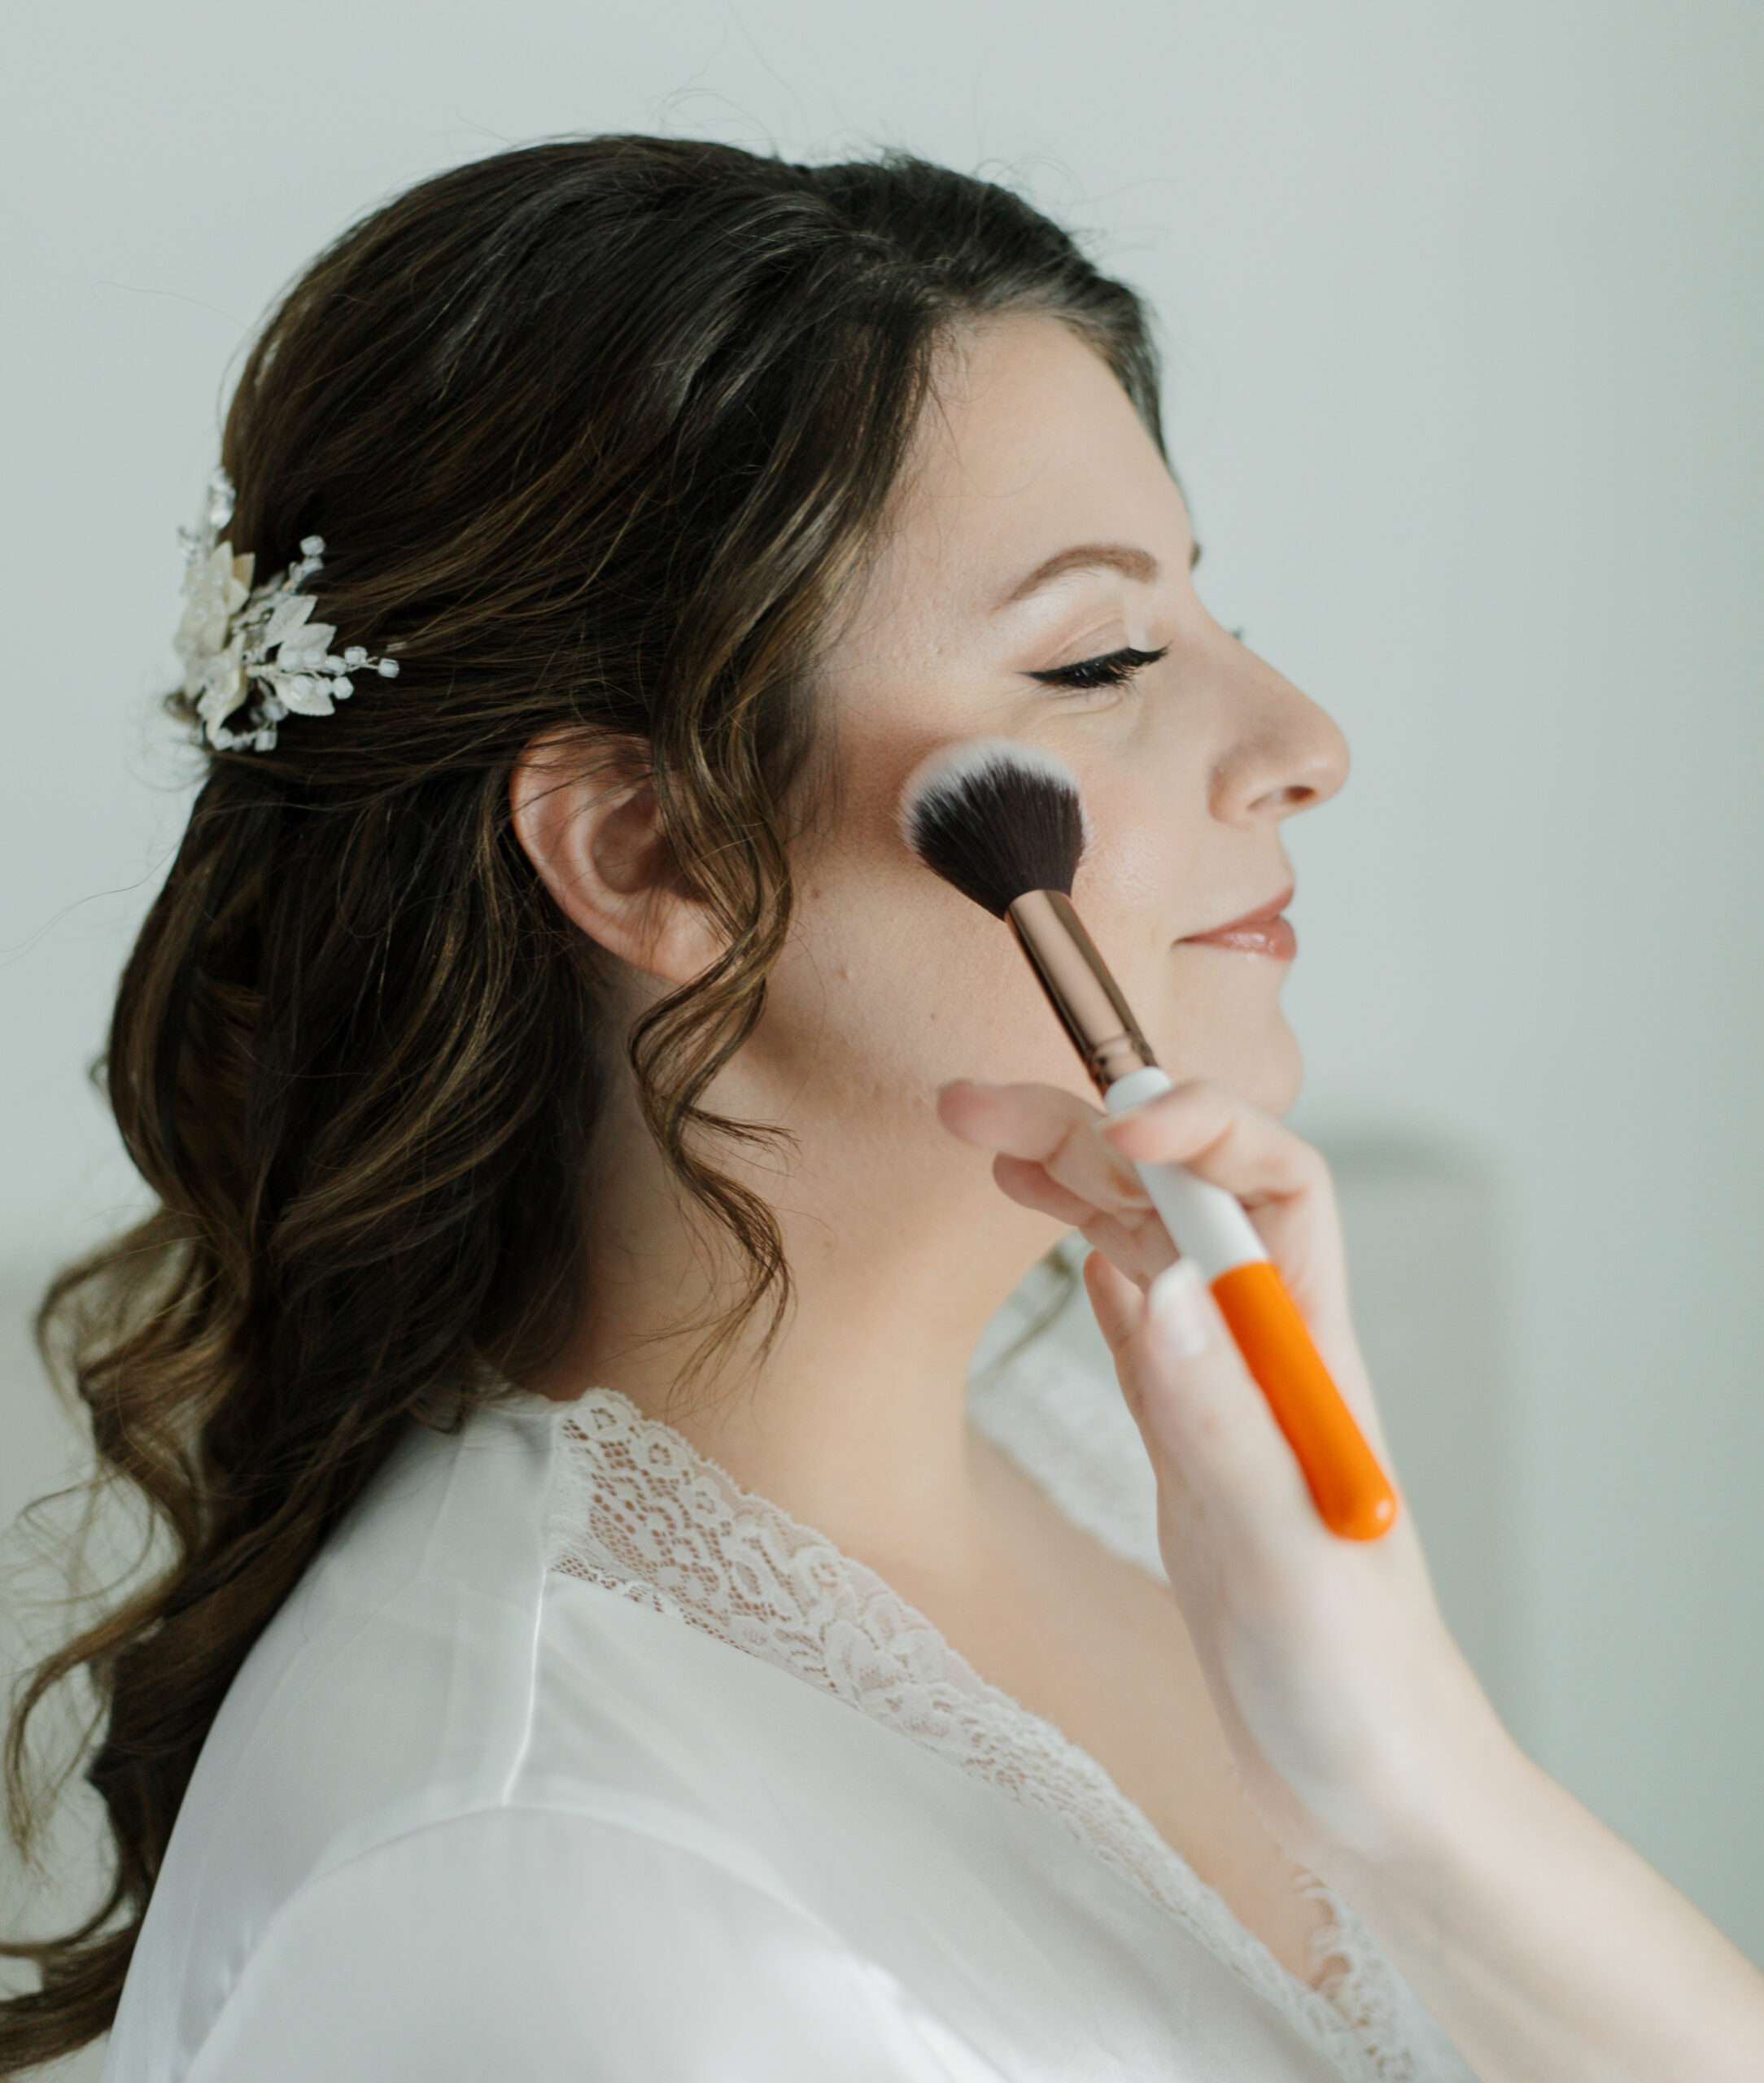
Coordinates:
603 1635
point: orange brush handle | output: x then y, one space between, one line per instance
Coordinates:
1352 1492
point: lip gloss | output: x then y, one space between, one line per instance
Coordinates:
1265 932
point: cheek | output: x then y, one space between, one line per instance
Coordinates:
892 981
1135 887
893 984
1207 1012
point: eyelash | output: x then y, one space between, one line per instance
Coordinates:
1113 669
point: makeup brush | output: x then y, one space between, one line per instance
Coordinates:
1004 823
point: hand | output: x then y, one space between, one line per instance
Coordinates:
1542 1943
1352 1717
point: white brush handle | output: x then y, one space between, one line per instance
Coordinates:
1206 1224
1353 1494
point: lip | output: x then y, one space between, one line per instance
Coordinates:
1262 932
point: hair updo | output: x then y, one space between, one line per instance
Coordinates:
595 433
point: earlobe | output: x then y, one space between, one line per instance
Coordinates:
585 814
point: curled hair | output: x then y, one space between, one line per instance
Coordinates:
596 433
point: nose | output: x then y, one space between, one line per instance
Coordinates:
1282 753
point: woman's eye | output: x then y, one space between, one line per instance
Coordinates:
1113 669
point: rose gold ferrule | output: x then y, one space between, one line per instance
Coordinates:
1079 986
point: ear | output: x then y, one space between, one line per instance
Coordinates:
586 815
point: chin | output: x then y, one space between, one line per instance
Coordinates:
1279 1075
1266 1068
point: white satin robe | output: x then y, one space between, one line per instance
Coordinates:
569 1763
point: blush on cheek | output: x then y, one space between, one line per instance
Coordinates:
1140 864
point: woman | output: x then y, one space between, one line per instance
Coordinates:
603 1639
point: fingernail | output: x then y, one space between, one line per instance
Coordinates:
1175 1309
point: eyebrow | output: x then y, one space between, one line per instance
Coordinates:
1124 557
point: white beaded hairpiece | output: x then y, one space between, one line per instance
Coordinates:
231 627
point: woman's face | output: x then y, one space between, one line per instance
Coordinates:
1038 528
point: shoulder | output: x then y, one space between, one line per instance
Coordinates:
404 1659
394 1689
462 1793
532 1943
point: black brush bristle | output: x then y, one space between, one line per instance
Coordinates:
996 818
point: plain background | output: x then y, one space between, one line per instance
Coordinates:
1461 308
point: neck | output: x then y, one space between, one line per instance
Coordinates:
901 1250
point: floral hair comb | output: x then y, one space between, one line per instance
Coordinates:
255 648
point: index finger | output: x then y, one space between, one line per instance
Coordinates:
1041 1124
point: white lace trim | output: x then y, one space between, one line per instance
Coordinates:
640 1511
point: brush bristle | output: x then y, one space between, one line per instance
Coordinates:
996 818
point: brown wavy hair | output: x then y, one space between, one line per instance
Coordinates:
597 433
